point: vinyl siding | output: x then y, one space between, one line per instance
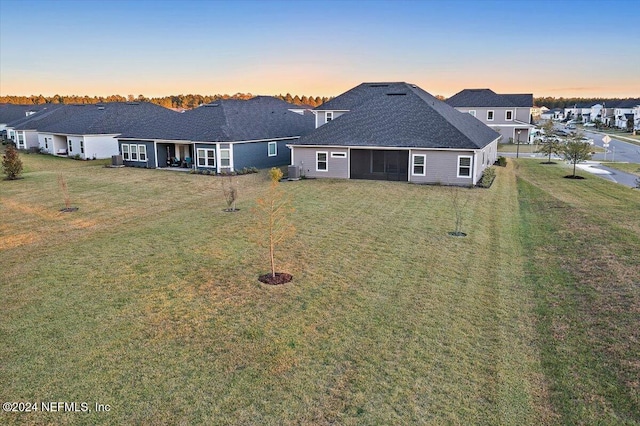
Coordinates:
305 158
441 167
151 154
256 154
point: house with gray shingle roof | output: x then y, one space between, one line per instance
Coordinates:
395 131
89 130
508 114
222 136
24 134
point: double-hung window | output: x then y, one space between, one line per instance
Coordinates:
142 153
490 115
225 157
82 147
125 153
322 161
419 165
69 145
273 149
134 152
328 117
508 115
464 166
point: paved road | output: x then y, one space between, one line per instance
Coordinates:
618 150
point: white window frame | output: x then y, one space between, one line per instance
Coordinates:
472 112
142 152
275 149
328 116
506 115
492 115
46 143
81 147
326 161
423 165
133 151
470 166
203 154
222 157
125 152
69 145
21 143
338 155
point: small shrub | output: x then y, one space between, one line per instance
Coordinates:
11 163
502 161
488 176
254 170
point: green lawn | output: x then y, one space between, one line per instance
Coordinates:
147 299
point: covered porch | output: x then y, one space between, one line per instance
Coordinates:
175 155
379 164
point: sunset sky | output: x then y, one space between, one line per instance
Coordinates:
320 48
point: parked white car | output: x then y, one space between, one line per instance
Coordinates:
589 124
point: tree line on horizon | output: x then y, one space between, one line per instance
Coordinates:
174 101
191 101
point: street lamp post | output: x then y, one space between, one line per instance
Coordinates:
518 144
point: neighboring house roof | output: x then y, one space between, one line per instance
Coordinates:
229 120
628 103
28 122
95 119
399 115
488 98
12 112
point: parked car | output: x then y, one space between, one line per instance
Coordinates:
589 124
570 126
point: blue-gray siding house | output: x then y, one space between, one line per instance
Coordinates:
223 136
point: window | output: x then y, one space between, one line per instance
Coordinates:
508 115
206 157
273 149
338 155
134 152
82 147
464 166
472 112
69 145
142 153
21 140
46 143
225 158
328 117
419 162
489 115
322 165
125 152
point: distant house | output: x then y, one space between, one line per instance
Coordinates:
11 115
508 114
24 130
623 112
222 136
394 131
552 114
90 130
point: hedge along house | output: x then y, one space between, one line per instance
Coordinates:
395 131
222 136
89 131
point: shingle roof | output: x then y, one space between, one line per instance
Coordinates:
29 122
229 120
488 98
95 119
399 115
12 112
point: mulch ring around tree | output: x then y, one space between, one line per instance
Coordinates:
548 162
573 177
69 209
230 210
280 278
457 234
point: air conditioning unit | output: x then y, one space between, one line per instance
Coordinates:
116 160
294 173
